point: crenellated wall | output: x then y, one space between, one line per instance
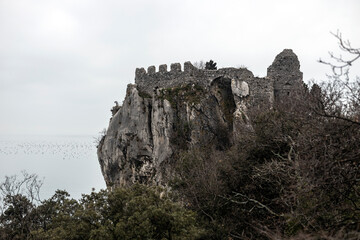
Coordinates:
163 78
284 78
175 71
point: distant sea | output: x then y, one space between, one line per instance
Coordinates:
63 162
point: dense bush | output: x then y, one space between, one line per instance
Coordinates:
138 212
296 175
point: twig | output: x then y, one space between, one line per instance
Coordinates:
251 200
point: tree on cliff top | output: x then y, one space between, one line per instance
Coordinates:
210 65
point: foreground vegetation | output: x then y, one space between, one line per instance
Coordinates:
294 175
138 212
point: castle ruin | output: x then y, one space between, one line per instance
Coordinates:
167 111
283 79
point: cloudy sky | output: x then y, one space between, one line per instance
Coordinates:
64 63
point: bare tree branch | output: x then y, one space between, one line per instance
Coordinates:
341 65
247 200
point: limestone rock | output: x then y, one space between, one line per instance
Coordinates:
167 112
240 88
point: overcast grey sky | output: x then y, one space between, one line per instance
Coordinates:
63 63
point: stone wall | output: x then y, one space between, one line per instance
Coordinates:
283 78
150 79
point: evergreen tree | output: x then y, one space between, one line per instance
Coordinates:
210 65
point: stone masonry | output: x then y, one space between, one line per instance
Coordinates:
284 78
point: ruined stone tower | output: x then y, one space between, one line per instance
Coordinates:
285 72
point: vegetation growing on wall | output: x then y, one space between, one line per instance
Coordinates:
190 93
179 98
144 94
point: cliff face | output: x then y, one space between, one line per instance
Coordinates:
166 112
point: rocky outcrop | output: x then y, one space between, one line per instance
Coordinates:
167 112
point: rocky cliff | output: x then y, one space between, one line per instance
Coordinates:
166 112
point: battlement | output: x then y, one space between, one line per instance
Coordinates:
149 79
175 68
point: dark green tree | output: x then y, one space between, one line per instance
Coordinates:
19 197
17 220
147 213
137 212
210 65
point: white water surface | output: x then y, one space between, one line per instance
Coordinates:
63 162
